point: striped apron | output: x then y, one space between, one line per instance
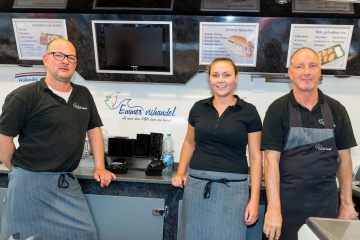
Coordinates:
308 167
213 206
50 205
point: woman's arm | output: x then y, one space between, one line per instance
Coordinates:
255 160
187 151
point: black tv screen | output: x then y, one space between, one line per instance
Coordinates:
133 47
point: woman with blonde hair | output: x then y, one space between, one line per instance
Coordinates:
216 201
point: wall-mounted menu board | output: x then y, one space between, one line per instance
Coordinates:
321 6
57 4
237 41
272 46
33 35
231 5
331 42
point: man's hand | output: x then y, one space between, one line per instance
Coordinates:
347 212
272 224
104 177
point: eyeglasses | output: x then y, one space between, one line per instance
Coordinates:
60 56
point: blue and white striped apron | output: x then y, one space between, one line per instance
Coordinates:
217 214
46 204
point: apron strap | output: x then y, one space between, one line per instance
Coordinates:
62 183
295 117
327 115
210 181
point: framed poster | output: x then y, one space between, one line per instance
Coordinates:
231 5
237 41
321 6
33 35
331 42
57 4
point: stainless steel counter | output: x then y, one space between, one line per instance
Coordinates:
329 229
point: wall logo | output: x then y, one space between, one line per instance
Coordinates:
132 111
27 77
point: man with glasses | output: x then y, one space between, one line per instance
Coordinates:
51 118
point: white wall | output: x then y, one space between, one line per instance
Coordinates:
163 96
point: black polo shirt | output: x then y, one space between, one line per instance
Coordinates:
276 122
221 141
51 131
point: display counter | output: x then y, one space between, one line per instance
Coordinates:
122 202
125 199
127 189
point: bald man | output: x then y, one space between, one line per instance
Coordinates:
51 118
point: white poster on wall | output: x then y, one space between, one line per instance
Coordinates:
33 35
331 42
237 41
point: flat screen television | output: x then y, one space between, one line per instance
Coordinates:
133 47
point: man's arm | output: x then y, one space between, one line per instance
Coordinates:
344 174
7 149
273 217
97 148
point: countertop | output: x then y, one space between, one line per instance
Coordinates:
86 168
334 229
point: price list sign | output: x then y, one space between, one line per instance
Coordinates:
321 6
331 42
231 5
33 35
237 41
57 4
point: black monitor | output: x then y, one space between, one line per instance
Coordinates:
133 47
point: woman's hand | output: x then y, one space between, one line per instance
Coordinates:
178 181
251 213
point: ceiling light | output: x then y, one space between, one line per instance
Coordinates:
282 1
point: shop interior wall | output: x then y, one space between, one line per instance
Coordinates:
152 92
